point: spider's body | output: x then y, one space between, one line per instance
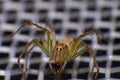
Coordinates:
62 52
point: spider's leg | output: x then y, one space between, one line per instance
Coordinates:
62 68
57 73
80 52
94 31
26 51
77 42
29 23
94 59
74 48
51 30
51 37
51 68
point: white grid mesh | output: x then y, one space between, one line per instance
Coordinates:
69 18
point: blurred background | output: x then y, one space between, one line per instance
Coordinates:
69 18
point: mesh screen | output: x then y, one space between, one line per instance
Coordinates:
70 18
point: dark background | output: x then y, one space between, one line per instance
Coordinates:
69 18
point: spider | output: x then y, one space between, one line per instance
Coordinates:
60 53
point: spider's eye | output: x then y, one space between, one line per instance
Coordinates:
57 48
60 49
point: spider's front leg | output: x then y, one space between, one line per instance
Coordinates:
48 45
30 23
98 32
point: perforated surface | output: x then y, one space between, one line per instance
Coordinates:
69 18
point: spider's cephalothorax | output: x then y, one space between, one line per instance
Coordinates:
62 52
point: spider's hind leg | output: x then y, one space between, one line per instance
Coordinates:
94 61
25 52
30 45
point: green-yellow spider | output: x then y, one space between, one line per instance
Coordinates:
62 52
